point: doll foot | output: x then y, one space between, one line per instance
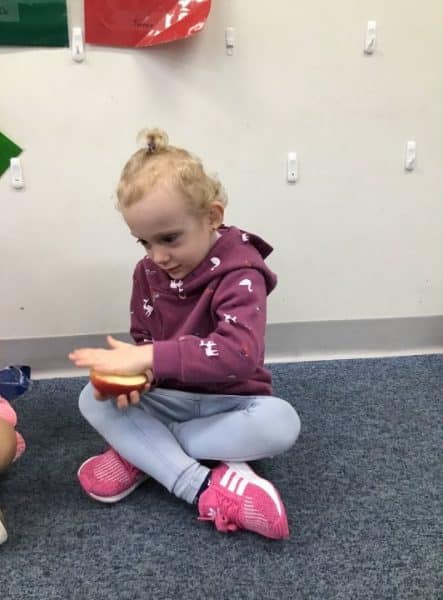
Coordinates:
20 446
7 413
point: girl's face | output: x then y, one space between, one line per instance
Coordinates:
175 238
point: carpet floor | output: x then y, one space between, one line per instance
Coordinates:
362 487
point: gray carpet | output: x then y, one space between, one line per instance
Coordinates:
362 488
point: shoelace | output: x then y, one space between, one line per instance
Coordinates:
218 515
221 522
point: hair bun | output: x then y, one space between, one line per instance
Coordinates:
155 140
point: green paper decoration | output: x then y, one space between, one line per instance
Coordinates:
8 150
33 23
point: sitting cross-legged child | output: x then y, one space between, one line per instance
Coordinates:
198 320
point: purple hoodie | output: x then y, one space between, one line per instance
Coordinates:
208 329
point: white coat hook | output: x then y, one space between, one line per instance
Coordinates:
371 36
17 181
77 45
230 40
292 167
411 155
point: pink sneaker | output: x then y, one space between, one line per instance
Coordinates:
108 477
237 498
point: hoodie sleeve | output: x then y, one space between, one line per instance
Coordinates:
235 348
138 307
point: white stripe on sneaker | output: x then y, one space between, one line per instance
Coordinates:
224 481
250 477
241 488
234 482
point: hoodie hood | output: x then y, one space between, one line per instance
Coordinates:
234 249
208 329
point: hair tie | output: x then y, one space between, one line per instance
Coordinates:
151 146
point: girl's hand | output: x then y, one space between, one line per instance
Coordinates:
120 359
123 401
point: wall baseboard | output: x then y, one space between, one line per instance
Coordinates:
360 338
286 342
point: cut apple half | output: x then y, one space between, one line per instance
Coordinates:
115 385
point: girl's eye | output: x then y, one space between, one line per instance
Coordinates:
144 243
170 239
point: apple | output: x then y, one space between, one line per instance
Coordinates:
115 385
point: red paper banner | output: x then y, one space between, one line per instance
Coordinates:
140 23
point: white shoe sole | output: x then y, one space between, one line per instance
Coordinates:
3 533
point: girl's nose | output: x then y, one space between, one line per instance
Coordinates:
159 255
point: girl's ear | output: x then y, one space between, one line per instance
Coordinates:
216 214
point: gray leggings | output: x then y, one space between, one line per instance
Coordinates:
169 431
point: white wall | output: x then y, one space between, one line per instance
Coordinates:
357 237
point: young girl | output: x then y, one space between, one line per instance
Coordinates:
12 446
198 316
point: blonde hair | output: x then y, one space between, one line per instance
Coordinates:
157 162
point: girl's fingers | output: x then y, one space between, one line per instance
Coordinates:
134 397
97 395
90 357
122 402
